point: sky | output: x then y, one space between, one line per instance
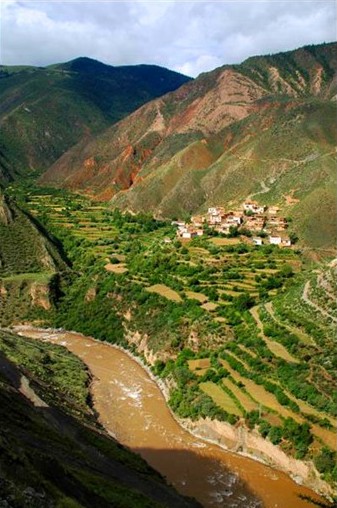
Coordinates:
186 36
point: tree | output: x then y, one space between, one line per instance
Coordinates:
275 435
326 461
244 301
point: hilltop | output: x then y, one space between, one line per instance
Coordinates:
45 111
265 127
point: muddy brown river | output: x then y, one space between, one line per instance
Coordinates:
132 408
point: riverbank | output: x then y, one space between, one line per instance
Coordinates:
246 443
236 441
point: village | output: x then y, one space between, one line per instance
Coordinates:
260 224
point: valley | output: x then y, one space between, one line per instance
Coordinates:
261 125
178 236
54 452
222 322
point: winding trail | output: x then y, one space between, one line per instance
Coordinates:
306 339
306 299
264 190
275 347
310 158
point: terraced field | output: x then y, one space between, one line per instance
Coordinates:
215 271
221 398
246 401
254 397
226 319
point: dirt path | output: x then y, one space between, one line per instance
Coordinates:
306 299
306 339
264 190
275 347
30 394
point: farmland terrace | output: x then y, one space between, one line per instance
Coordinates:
222 321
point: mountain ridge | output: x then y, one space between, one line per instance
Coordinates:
45 111
171 155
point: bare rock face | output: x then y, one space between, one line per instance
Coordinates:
39 294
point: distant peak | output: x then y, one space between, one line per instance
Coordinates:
85 64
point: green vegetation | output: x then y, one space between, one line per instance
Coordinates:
51 364
230 360
29 261
48 110
240 332
24 246
231 355
226 154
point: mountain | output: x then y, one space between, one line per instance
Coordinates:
264 129
45 111
53 451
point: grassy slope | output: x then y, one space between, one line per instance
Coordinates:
24 247
29 263
293 156
58 455
45 111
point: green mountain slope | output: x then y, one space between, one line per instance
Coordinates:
44 111
24 246
264 129
30 263
53 451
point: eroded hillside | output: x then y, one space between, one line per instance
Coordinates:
265 127
29 262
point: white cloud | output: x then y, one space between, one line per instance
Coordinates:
190 37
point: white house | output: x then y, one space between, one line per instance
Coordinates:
214 219
275 240
257 241
286 242
178 223
213 211
253 207
234 219
189 234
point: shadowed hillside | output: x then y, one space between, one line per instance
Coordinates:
24 246
45 111
53 452
30 261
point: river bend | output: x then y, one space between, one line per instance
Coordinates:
132 408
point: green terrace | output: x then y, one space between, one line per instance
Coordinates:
215 272
226 319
